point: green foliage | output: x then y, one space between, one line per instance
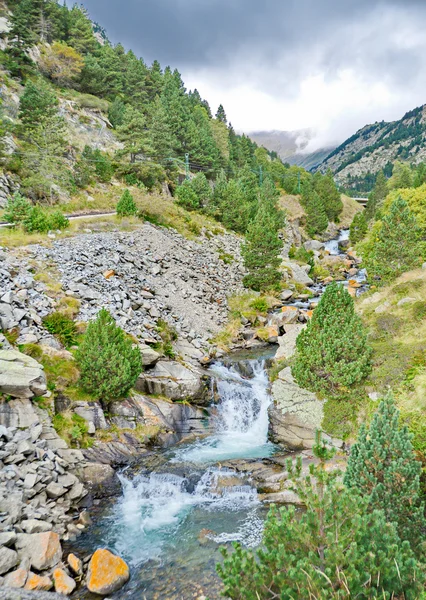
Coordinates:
260 304
116 112
382 468
329 195
316 220
334 549
73 429
108 363
304 256
38 220
377 196
358 228
63 327
126 206
332 352
394 244
187 197
17 209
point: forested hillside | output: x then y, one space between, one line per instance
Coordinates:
356 162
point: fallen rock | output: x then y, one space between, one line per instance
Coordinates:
36 526
64 584
106 573
42 549
8 559
20 375
38 582
16 579
149 356
75 564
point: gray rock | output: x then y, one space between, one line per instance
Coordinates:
298 274
314 245
35 526
7 593
286 295
149 356
7 320
287 342
7 538
8 559
43 550
21 376
92 412
54 490
175 381
18 413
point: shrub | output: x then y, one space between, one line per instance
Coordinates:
63 327
73 429
187 197
17 209
332 353
260 304
41 221
126 206
108 363
358 228
57 220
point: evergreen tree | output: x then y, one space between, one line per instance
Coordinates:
358 229
187 197
402 176
134 134
103 167
261 251
326 189
395 247
38 106
332 353
85 168
335 549
377 196
221 115
80 31
162 140
117 112
382 467
316 217
202 188
108 363
126 206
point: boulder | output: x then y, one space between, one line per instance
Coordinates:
8 593
38 582
92 412
287 342
75 564
101 479
314 245
36 526
286 295
106 573
295 415
288 314
149 356
16 579
175 381
299 275
64 584
42 549
8 559
20 375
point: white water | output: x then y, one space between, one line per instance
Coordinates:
157 509
333 245
241 423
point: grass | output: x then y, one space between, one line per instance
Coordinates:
73 429
350 208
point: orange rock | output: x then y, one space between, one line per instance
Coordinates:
37 582
110 273
328 279
354 283
64 584
289 309
309 313
16 579
107 573
75 564
43 549
352 291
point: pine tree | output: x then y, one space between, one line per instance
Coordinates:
335 549
80 31
332 353
261 251
382 467
202 188
326 189
116 112
316 219
187 197
358 228
396 246
126 206
377 196
108 363
134 134
221 114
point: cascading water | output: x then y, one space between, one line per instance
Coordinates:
156 524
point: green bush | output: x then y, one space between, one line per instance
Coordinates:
304 256
358 228
38 220
57 220
63 327
73 429
187 197
108 363
260 304
126 206
419 310
17 209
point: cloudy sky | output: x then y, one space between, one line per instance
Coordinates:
330 65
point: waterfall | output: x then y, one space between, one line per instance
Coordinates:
241 423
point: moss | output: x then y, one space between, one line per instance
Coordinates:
69 306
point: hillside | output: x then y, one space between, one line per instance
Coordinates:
376 146
290 145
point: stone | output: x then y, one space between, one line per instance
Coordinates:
299 275
107 573
42 549
7 538
14 594
296 413
314 245
149 356
36 526
16 579
8 559
286 295
101 479
7 320
287 342
382 308
21 376
64 584
75 564
38 582
406 300
54 490
108 274
92 412
175 381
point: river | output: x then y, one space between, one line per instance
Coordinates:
169 522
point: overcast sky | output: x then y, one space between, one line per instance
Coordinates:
331 65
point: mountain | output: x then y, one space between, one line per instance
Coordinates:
289 146
377 146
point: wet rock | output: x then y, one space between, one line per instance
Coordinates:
101 479
106 573
314 245
14 594
42 549
21 376
175 381
64 584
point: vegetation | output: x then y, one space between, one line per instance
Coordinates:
337 548
359 227
62 326
108 363
332 352
126 206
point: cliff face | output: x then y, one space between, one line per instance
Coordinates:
374 146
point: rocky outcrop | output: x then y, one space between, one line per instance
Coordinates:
296 413
20 375
175 381
298 274
287 342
